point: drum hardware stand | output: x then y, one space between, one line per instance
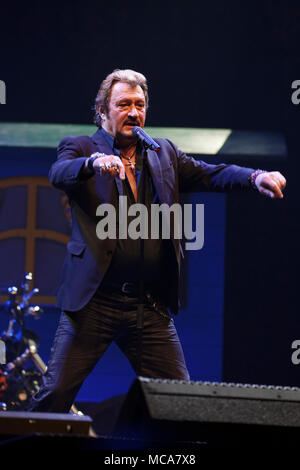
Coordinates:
17 311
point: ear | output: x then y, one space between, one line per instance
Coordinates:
104 114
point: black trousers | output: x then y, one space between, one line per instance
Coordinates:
82 338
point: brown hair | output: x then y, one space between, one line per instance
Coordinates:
126 76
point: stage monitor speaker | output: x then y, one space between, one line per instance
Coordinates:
210 412
16 423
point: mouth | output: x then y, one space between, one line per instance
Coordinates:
131 124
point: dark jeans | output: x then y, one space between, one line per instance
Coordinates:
82 337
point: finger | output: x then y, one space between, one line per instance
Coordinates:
100 167
279 179
270 188
115 169
273 186
277 191
282 181
111 170
114 163
105 168
121 171
267 193
118 167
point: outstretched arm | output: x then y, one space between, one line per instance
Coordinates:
224 177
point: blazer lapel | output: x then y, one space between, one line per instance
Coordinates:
157 178
156 173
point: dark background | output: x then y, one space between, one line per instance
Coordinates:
209 64
227 64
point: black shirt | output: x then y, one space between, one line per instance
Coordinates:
125 265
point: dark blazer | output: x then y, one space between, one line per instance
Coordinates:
88 258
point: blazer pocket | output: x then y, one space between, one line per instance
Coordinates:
76 247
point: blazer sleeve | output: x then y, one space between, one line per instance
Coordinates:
197 175
66 173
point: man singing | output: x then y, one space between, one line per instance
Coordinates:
100 291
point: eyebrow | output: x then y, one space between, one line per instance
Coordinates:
130 99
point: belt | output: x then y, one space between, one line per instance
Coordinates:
128 288
132 289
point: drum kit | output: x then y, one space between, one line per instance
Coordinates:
21 367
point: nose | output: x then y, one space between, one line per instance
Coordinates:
133 112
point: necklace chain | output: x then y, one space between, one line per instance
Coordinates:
130 157
130 163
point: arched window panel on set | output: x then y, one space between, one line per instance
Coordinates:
34 231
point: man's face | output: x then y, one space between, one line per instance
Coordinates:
127 108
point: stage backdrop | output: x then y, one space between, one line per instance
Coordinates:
225 65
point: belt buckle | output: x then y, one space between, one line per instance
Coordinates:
126 288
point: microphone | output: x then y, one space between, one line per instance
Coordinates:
147 141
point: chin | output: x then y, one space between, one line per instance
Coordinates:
127 132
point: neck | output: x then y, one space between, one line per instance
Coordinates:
127 146
129 153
